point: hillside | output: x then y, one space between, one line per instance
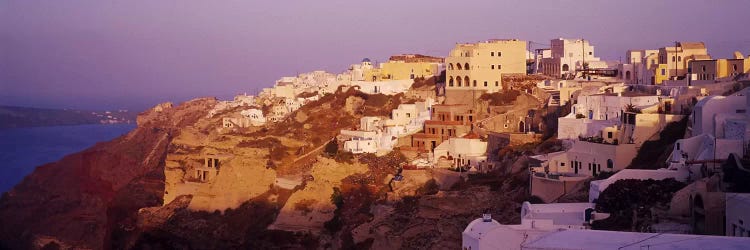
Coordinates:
113 194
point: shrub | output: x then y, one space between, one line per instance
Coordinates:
332 148
429 188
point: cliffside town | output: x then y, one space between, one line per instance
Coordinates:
408 153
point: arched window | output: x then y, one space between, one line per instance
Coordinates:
679 58
565 67
459 66
610 163
627 75
450 66
466 66
450 82
475 83
673 58
466 80
458 81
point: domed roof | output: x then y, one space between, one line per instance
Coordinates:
366 59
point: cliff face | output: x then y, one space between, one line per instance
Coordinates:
82 199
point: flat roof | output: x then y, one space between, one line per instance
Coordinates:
597 239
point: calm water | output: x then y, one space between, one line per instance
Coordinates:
23 149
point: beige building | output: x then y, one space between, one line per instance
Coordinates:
709 71
406 66
676 59
480 66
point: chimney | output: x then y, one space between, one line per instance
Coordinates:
486 216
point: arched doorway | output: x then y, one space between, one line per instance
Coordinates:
458 81
699 215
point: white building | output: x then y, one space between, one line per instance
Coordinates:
718 127
255 116
568 55
467 151
537 220
486 233
389 87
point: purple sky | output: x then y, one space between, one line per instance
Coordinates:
133 54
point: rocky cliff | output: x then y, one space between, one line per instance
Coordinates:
155 188
81 200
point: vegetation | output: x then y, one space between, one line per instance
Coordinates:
420 82
626 198
653 154
307 94
334 225
332 148
429 188
505 97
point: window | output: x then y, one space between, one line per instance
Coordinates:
678 146
497 83
499 66
663 72
610 163
673 58
485 83
562 164
609 135
492 66
741 111
499 54
679 58
475 83
492 53
703 68
591 53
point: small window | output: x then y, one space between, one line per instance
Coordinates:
499 54
497 84
591 53
663 72
499 66
673 58
679 58
741 111
492 53
678 146
562 164
485 83
492 66
609 135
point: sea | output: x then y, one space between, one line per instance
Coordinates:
24 149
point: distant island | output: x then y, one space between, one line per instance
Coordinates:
21 117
